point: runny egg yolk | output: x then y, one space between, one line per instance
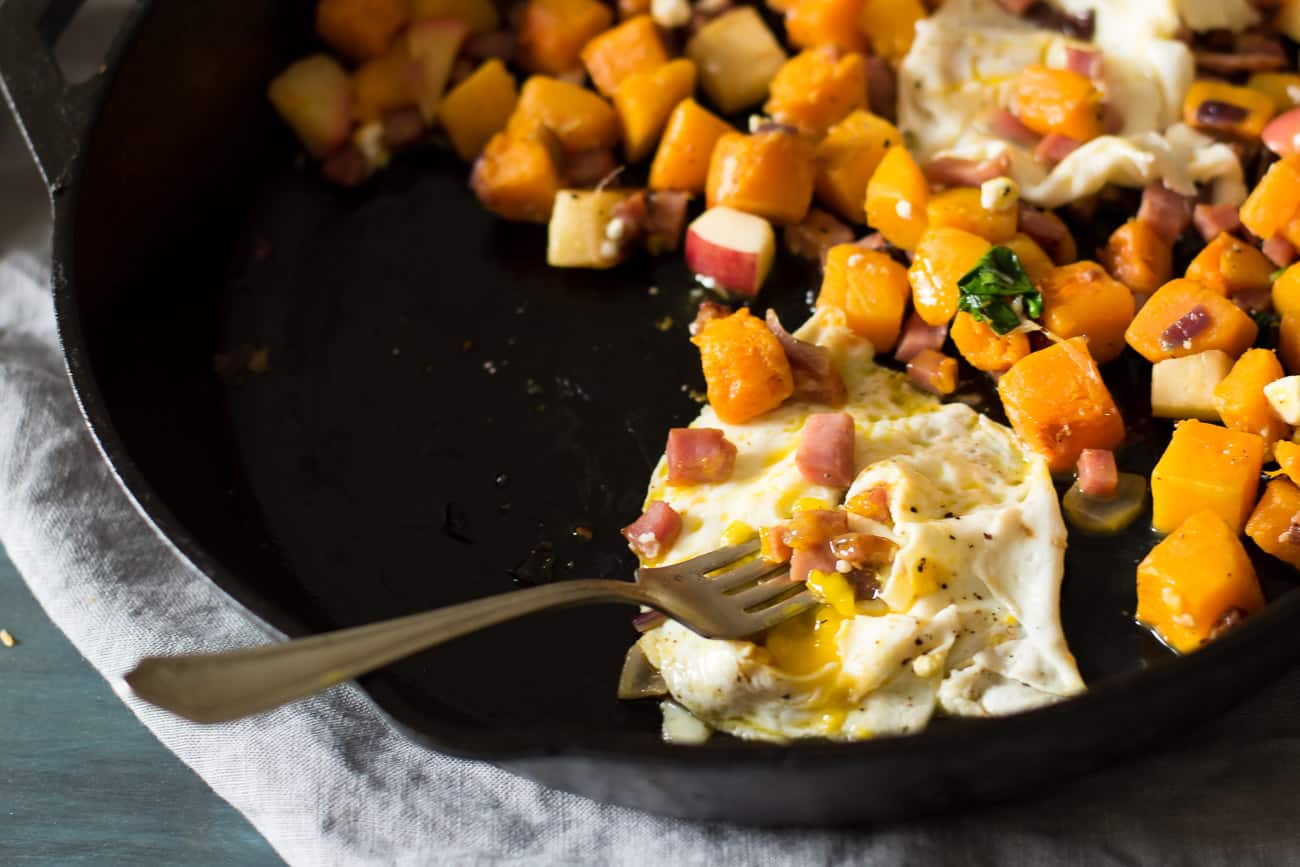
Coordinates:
805 644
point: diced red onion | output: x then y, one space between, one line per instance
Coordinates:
647 620
1085 61
815 377
1219 114
958 172
1213 220
1006 125
1181 332
1165 211
1054 148
813 236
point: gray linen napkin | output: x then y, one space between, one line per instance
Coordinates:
1227 793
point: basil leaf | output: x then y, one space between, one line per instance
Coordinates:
988 289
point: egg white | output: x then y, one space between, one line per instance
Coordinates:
965 59
968 622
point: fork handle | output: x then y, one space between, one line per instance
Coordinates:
219 687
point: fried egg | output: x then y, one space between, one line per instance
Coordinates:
966 622
967 55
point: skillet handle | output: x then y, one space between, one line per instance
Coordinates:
53 113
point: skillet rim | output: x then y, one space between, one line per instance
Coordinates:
1265 637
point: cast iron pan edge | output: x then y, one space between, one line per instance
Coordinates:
1029 749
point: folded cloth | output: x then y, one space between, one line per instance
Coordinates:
329 782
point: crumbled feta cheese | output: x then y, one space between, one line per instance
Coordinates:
903 209
670 14
999 194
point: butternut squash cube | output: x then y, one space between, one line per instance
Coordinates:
768 173
897 198
1287 455
1283 87
1057 402
516 177
682 160
1082 300
745 368
1192 579
871 289
846 159
644 101
817 88
552 33
1216 106
942 257
1138 257
814 23
480 16
737 56
1274 202
1241 401
963 208
632 47
1286 292
985 349
360 29
1061 101
578 118
1270 525
1230 266
1288 342
1206 467
890 26
1184 318
478 108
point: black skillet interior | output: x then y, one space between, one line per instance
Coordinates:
445 417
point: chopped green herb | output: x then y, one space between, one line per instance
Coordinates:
1276 275
1266 319
990 289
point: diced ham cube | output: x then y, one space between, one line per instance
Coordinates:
698 455
1165 211
825 455
652 534
933 372
1048 231
1085 61
588 168
958 172
1054 148
813 528
882 87
665 220
918 337
1006 125
1098 476
815 377
1279 251
1213 220
775 548
707 312
815 234
804 561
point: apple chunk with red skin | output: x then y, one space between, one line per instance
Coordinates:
731 250
433 44
314 96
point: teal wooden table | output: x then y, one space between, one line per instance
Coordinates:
81 780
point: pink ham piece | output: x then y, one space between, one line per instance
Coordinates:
1282 134
1006 125
1112 119
815 376
1165 211
652 534
958 172
1098 476
1016 7
588 168
698 455
825 455
1048 231
1279 251
775 547
918 337
882 88
1085 61
813 236
1054 148
707 312
804 561
1213 220
665 220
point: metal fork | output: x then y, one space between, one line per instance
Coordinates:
718 595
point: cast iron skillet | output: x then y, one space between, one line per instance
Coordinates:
442 411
